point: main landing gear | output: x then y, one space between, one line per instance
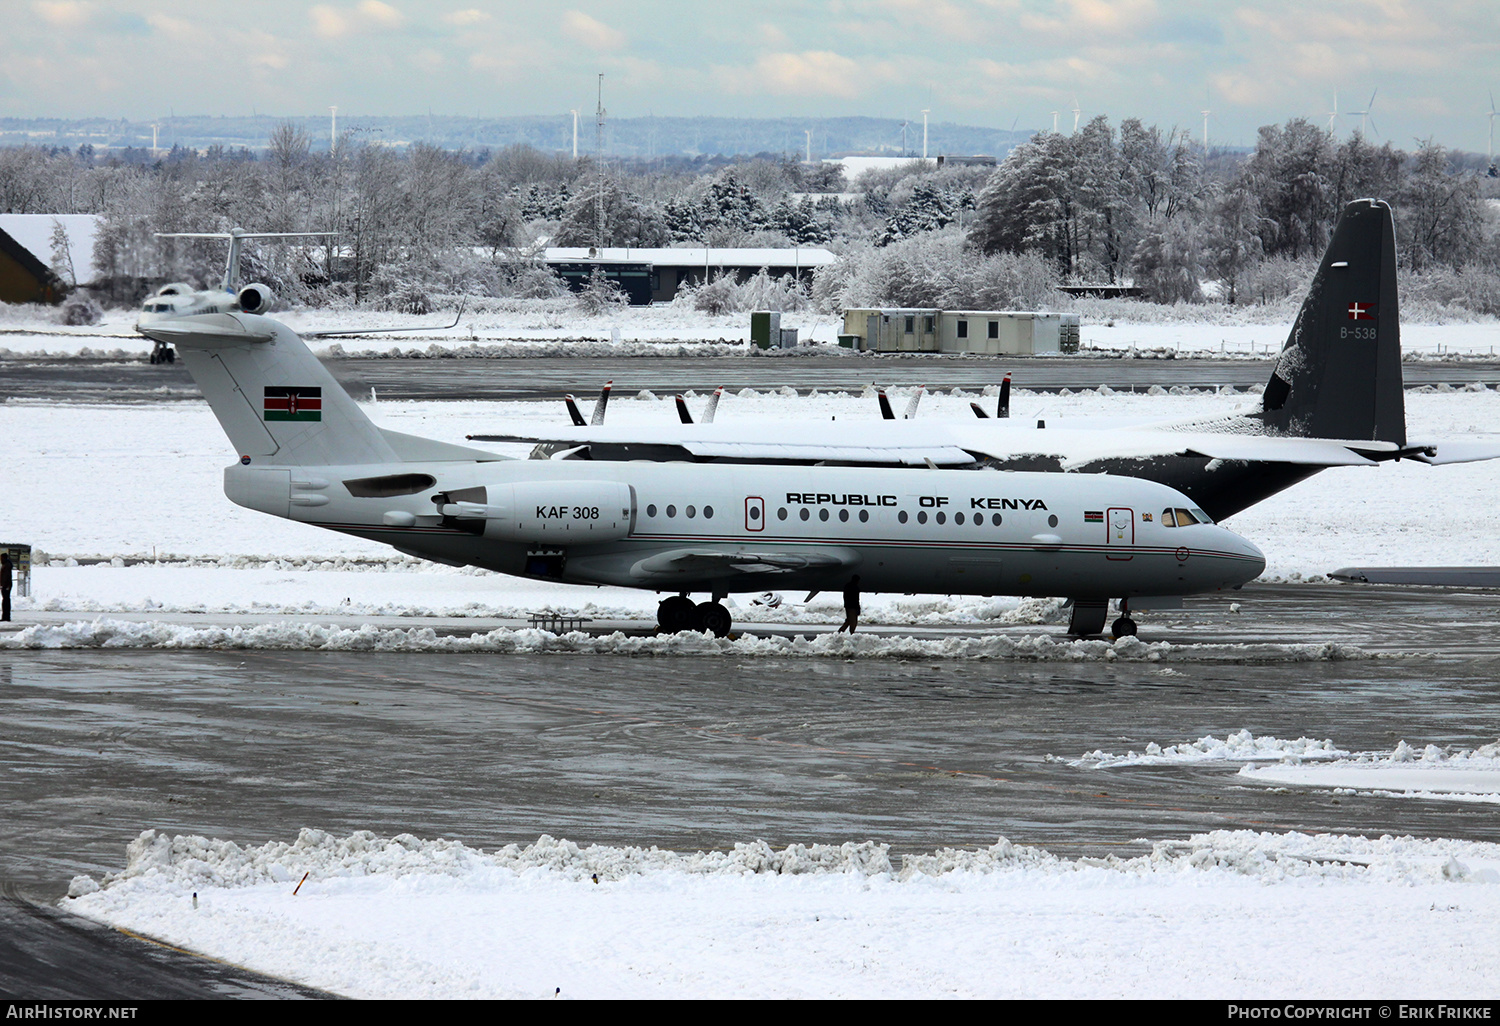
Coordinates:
1089 616
679 613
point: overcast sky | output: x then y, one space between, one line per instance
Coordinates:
983 62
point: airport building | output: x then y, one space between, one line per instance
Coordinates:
988 332
655 275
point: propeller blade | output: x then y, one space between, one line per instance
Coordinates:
682 411
886 413
573 413
911 407
1003 409
978 411
599 406
713 405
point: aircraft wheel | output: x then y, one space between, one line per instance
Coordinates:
712 616
676 614
171 355
153 356
1124 627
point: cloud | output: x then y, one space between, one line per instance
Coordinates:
467 16
811 73
333 22
63 13
591 32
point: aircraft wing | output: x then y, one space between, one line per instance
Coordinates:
958 443
698 563
815 442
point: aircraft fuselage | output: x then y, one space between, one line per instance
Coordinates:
735 529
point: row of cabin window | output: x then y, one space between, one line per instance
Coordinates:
864 515
690 511
903 516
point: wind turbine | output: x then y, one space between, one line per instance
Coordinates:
1333 115
1054 122
1076 111
1365 115
1205 112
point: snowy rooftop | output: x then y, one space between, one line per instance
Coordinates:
34 232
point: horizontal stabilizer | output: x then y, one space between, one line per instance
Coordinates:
205 331
1460 450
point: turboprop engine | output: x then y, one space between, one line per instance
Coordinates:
557 512
255 298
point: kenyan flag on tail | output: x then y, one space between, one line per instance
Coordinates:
293 402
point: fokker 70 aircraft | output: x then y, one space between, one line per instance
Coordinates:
1334 399
307 452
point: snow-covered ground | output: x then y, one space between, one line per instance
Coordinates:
1229 914
556 327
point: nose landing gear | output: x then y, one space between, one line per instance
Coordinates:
1124 627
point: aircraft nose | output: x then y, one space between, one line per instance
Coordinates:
1248 557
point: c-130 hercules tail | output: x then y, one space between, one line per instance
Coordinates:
1333 399
310 454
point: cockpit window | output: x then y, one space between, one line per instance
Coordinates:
1168 519
1184 518
1202 516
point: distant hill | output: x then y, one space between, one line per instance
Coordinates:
637 138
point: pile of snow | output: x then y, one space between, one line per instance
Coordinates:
303 636
402 917
1460 775
1241 746
1432 772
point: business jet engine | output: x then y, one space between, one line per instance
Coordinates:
255 298
559 512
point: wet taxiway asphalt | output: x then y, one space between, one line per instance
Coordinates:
702 752
553 377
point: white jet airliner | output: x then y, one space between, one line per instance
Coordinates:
307 452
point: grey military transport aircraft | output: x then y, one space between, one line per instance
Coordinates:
307 452
1334 399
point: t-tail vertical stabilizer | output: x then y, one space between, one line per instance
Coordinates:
1339 374
275 400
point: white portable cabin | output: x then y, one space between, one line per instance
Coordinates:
986 332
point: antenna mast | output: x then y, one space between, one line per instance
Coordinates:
599 157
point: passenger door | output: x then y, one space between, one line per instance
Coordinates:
1119 521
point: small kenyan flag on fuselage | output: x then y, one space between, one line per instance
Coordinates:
293 402
1093 516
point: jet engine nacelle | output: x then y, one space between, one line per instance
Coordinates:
556 512
255 298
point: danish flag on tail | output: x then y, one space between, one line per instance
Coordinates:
1361 311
